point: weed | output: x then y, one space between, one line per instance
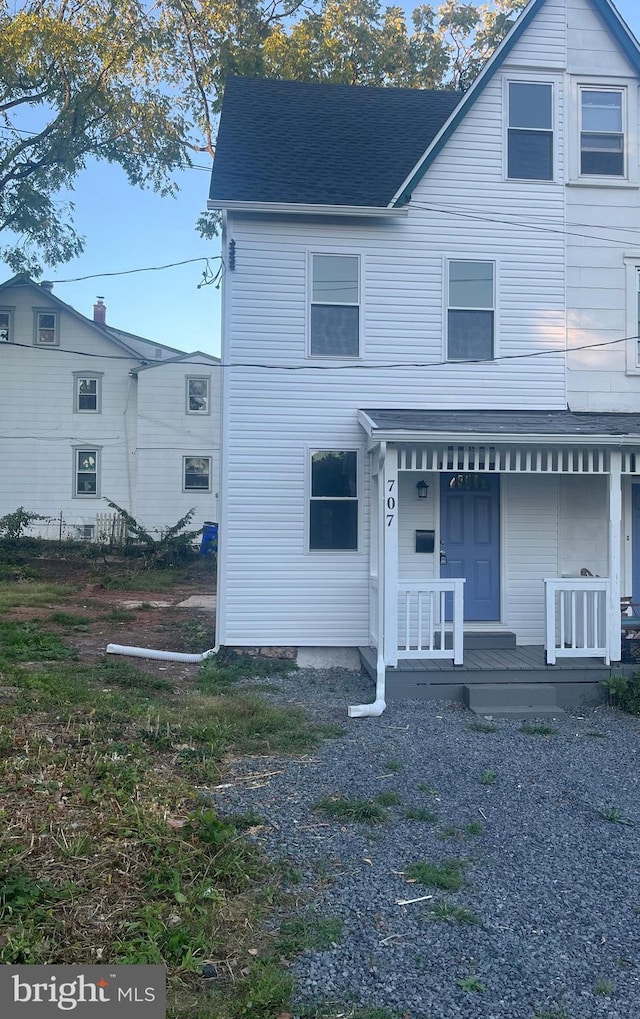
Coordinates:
604 987
450 913
424 787
224 670
488 778
615 815
537 730
119 616
478 726
554 1013
448 875
343 809
471 983
419 814
68 619
624 692
309 932
125 674
389 798
25 642
265 992
596 735
462 831
392 764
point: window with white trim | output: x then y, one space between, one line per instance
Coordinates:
86 473
196 473
6 325
333 504
335 306
46 328
87 392
470 310
530 131
602 132
198 389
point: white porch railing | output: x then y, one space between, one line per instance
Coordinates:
422 625
576 613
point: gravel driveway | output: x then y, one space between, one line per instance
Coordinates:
545 829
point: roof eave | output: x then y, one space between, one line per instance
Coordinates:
308 209
407 435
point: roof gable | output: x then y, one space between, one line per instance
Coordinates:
609 15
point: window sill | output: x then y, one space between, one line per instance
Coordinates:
603 182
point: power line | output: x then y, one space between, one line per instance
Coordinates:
342 367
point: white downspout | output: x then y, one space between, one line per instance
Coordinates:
615 540
375 709
165 656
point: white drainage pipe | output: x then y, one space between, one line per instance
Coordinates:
377 707
165 656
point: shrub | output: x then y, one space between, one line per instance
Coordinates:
624 692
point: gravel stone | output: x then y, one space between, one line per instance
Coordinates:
556 885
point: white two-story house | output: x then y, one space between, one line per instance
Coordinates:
93 413
431 406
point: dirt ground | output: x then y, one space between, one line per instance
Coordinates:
149 616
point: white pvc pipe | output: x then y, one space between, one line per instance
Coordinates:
377 707
165 656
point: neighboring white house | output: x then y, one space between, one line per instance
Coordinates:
435 294
91 413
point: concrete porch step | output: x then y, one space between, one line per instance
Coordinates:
518 700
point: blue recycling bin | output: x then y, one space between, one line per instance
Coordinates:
209 542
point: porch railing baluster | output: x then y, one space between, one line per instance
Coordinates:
574 610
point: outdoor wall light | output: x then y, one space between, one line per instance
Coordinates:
423 489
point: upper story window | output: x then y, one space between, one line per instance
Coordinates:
6 330
335 306
87 389
602 135
333 509
530 131
471 311
46 328
198 395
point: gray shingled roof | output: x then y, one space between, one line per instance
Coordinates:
505 422
313 143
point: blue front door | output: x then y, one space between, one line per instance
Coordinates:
635 543
470 540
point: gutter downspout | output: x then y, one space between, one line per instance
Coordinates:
165 656
375 709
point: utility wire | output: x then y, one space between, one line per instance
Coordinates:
345 367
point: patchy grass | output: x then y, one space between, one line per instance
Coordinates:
463 831
485 727
420 814
529 729
32 594
615 815
450 913
389 798
226 669
68 619
308 932
448 875
352 811
106 849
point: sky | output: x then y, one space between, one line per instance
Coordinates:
127 228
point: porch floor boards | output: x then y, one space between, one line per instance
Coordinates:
576 680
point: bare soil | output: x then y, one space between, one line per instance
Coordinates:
150 616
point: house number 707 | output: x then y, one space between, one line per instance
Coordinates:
391 502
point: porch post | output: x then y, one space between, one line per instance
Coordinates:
615 535
389 526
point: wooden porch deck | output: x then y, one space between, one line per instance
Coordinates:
576 680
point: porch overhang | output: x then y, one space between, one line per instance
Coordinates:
502 426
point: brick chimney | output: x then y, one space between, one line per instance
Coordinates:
100 311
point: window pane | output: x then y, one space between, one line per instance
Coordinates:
602 154
470 335
47 321
86 461
471 284
530 105
198 394
334 524
334 331
530 155
602 111
335 279
334 474
196 472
